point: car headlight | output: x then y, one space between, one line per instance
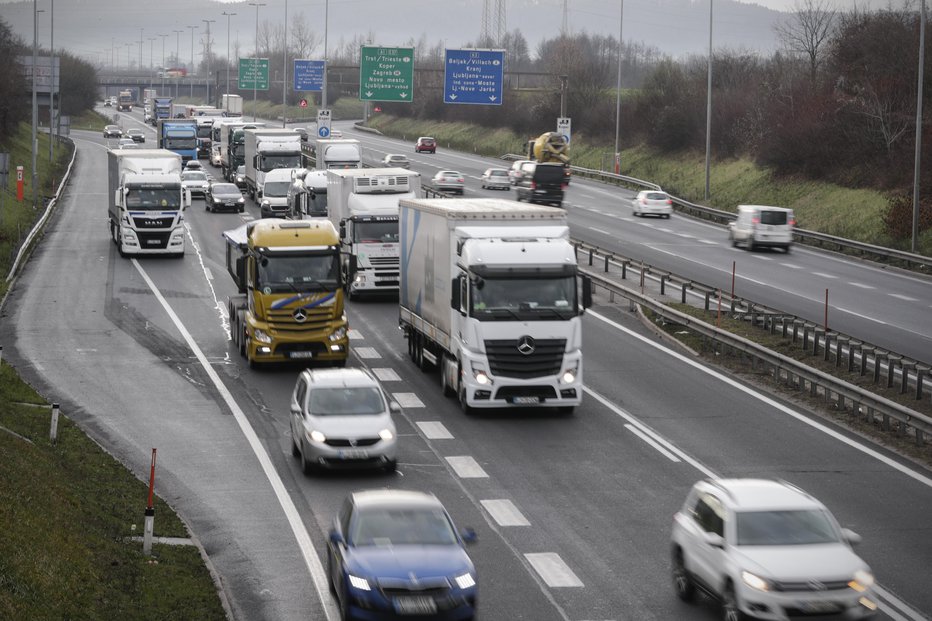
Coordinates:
261 336
386 434
358 583
863 580
479 374
217 200
569 375
317 436
465 581
241 200
265 203
339 334
754 581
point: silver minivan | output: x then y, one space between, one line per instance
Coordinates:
759 226
342 418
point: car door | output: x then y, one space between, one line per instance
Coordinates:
297 410
708 515
337 551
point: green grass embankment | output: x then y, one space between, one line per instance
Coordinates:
67 511
851 213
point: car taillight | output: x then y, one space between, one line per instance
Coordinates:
755 221
563 186
643 201
533 185
669 202
792 221
460 180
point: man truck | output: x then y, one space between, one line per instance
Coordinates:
490 294
268 149
363 205
290 302
180 136
145 201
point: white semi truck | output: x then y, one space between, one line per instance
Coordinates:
145 201
339 153
363 206
491 295
268 149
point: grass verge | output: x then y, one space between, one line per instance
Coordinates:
90 120
67 510
741 366
851 213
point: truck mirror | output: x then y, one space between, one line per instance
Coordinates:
342 229
187 198
455 294
586 292
117 197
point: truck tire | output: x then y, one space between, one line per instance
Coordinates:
461 392
446 388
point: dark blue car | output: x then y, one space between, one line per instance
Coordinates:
393 554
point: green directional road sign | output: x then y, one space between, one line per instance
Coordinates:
254 74
386 73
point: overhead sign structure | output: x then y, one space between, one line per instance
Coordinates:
473 77
47 72
323 123
386 73
565 127
308 75
254 74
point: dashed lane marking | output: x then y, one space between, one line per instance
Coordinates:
407 399
505 513
434 430
791 266
367 353
552 570
824 275
861 285
900 296
466 467
355 335
386 374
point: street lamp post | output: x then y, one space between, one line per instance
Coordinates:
140 48
255 62
35 99
193 28
918 155
323 89
229 15
52 90
207 49
164 36
285 65
177 58
708 111
617 166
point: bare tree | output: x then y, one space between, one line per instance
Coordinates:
808 31
303 40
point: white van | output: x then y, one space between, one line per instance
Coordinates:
274 201
758 226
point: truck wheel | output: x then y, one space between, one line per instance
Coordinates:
467 409
445 387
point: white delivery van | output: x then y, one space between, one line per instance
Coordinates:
759 226
274 201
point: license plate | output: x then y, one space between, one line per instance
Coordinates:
301 354
153 242
525 400
818 607
355 454
415 606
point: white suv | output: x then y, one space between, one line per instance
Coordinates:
767 550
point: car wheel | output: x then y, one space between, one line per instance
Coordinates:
730 610
307 467
751 245
682 582
345 614
390 467
333 589
786 249
295 449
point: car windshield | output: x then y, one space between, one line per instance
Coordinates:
193 176
224 188
402 526
345 401
298 273
153 198
376 232
784 528
541 298
276 188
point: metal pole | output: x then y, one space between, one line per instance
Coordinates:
193 28
207 48
140 48
285 66
918 157
255 63
563 79
52 89
708 111
35 99
617 166
323 91
229 15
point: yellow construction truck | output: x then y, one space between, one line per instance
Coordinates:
551 147
290 306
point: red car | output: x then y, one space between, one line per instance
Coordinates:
425 143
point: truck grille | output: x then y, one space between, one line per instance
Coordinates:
505 360
152 241
283 320
384 262
153 222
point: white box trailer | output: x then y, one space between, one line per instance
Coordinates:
490 294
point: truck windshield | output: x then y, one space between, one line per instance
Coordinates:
153 198
317 206
175 144
204 131
277 189
283 160
498 299
379 232
310 272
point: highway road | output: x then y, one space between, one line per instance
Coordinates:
573 513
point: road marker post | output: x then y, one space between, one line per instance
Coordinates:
825 325
150 512
53 430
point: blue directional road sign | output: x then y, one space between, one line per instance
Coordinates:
308 75
473 77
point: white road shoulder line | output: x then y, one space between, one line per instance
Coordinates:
407 399
466 467
900 296
824 275
434 430
505 513
366 353
553 570
386 374
653 443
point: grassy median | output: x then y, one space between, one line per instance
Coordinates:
68 511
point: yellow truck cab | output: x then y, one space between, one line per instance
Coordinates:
291 302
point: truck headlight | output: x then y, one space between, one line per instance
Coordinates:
482 378
339 334
261 336
569 375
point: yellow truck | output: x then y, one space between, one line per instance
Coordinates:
291 302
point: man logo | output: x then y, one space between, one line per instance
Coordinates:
526 345
300 315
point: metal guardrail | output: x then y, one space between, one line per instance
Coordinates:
814 238
784 369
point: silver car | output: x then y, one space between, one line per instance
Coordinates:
195 181
342 418
396 160
495 179
449 181
652 202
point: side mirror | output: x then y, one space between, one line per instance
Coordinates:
118 197
187 198
394 407
714 540
469 536
342 229
336 538
851 537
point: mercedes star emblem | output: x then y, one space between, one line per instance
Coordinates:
526 345
300 315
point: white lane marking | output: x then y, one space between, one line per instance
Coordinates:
652 442
824 275
434 430
762 258
208 273
466 467
218 305
355 335
505 513
665 230
861 285
706 241
791 266
407 399
686 235
553 570
305 545
367 353
903 607
924 480
603 232
851 312
386 374
900 296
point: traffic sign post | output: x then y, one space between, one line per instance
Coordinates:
309 75
565 127
323 123
386 73
254 74
473 77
